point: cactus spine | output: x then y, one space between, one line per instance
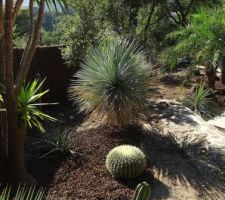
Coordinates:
142 192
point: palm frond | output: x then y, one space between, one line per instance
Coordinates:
56 5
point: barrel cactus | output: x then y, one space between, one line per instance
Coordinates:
126 161
142 192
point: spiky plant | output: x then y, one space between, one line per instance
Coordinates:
126 161
202 103
113 82
28 101
55 144
28 105
23 193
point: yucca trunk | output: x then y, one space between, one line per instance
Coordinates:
15 167
13 131
211 76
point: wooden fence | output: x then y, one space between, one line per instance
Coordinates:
48 63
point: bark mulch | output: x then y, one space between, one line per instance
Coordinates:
85 175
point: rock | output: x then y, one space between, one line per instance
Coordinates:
183 122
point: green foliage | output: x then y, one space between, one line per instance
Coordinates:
23 193
28 105
125 161
57 144
142 192
202 40
113 82
202 103
81 30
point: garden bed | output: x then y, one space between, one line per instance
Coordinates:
171 172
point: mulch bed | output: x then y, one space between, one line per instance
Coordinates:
85 176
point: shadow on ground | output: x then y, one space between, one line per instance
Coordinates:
188 162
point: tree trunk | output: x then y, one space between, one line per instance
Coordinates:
15 166
211 75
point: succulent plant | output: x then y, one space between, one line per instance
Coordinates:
113 82
142 192
126 161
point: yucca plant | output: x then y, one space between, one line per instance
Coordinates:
28 99
23 193
113 82
202 103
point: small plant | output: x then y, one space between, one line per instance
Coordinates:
142 192
113 82
126 161
23 193
53 144
28 105
201 103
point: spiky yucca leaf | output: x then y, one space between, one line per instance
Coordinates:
113 81
23 193
28 105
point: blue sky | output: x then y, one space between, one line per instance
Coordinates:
26 2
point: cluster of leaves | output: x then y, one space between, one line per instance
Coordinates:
202 40
146 21
202 103
28 103
23 193
28 106
113 81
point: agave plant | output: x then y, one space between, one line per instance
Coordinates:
201 103
23 193
113 82
57 144
28 106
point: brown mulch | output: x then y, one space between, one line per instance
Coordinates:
85 176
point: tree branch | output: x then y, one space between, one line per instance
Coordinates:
1 43
30 49
149 20
1 19
16 9
189 7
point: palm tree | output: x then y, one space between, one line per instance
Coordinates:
203 40
13 130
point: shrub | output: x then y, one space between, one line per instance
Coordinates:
126 161
113 82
